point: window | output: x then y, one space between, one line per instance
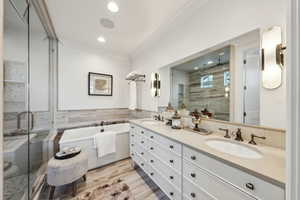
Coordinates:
207 81
226 78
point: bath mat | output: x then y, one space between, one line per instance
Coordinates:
118 190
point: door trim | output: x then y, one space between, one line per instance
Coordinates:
293 98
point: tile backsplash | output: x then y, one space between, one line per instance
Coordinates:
274 137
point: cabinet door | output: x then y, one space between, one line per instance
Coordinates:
212 185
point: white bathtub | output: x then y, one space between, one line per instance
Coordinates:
84 137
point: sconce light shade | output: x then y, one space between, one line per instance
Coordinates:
155 85
272 58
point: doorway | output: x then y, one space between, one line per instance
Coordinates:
251 87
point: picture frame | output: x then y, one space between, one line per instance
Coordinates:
100 84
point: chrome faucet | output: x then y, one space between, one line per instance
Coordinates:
102 124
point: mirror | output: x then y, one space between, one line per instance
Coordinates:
203 84
223 83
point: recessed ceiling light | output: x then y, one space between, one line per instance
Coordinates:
112 6
101 39
210 62
196 68
107 23
221 54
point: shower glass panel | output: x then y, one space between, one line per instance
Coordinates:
16 107
38 101
26 101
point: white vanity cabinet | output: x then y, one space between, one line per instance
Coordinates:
185 173
197 162
160 158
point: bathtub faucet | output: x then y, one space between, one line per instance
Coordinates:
102 124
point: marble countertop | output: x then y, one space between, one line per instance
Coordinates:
271 167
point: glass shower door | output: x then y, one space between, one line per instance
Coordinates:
16 104
26 101
38 101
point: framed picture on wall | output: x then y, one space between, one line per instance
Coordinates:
100 84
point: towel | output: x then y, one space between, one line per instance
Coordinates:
105 143
132 96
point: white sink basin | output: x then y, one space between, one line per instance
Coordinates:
234 148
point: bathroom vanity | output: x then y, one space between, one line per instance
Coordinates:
185 167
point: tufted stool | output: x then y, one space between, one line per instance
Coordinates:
62 172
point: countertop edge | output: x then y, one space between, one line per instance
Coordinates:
242 168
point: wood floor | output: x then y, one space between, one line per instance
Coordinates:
116 175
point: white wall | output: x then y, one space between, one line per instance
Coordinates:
214 22
75 62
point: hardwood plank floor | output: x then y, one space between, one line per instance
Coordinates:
117 181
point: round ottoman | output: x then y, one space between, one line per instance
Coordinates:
62 172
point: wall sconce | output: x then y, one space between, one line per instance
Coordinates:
272 58
155 85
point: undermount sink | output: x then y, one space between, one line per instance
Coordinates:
234 148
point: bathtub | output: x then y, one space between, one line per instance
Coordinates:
84 138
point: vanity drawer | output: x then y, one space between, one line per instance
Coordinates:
163 184
192 192
242 180
212 184
141 151
142 141
171 175
142 132
170 158
165 142
142 163
133 150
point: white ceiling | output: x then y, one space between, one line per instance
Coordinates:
79 20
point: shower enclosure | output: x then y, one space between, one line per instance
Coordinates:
27 105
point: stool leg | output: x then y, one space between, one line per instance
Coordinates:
84 177
52 190
74 188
